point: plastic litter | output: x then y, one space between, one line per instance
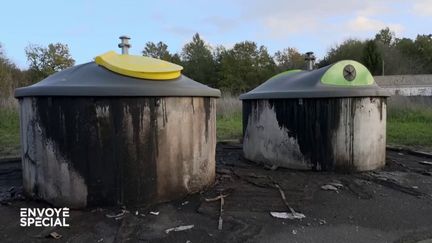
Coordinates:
286 215
179 228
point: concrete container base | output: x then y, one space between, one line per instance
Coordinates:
343 134
96 151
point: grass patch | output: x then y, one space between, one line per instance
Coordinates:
405 127
410 127
9 133
229 127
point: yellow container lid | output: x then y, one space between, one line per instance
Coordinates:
139 66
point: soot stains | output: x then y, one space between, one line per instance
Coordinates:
207 110
312 123
247 110
116 169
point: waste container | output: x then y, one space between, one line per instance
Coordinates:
121 130
332 118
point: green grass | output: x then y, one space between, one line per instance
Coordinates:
410 127
9 133
405 127
229 127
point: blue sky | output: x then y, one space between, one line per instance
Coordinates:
92 27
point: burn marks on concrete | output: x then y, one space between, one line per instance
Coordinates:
312 124
328 132
114 144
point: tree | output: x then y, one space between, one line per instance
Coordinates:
176 59
245 66
423 46
266 65
159 50
45 61
408 62
350 49
198 62
386 36
289 58
372 58
11 76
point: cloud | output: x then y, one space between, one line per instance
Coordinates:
423 7
181 31
365 24
221 24
281 19
277 26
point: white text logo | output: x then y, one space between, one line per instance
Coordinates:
44 217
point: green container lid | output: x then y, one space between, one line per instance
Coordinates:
342 79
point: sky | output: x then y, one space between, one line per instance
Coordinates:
92 27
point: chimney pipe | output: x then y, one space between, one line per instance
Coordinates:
124 45
310 60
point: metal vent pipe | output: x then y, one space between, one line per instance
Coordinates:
310 61
124 45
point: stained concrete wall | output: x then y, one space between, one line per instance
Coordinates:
346 134
406 85
392 80
83 151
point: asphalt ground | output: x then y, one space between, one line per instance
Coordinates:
393 204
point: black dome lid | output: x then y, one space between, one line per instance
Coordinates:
91 79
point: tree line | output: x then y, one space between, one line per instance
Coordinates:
386 54
242 67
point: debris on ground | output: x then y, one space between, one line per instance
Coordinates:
54 235
336 184
221 198
271 167
246 212
117 216
293 214
285 215
156 213
322 221
11 194
220 214
329 187
179 228
391 181
184 203
425 162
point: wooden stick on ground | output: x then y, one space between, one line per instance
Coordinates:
284 199
294 214
222 201
220 213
